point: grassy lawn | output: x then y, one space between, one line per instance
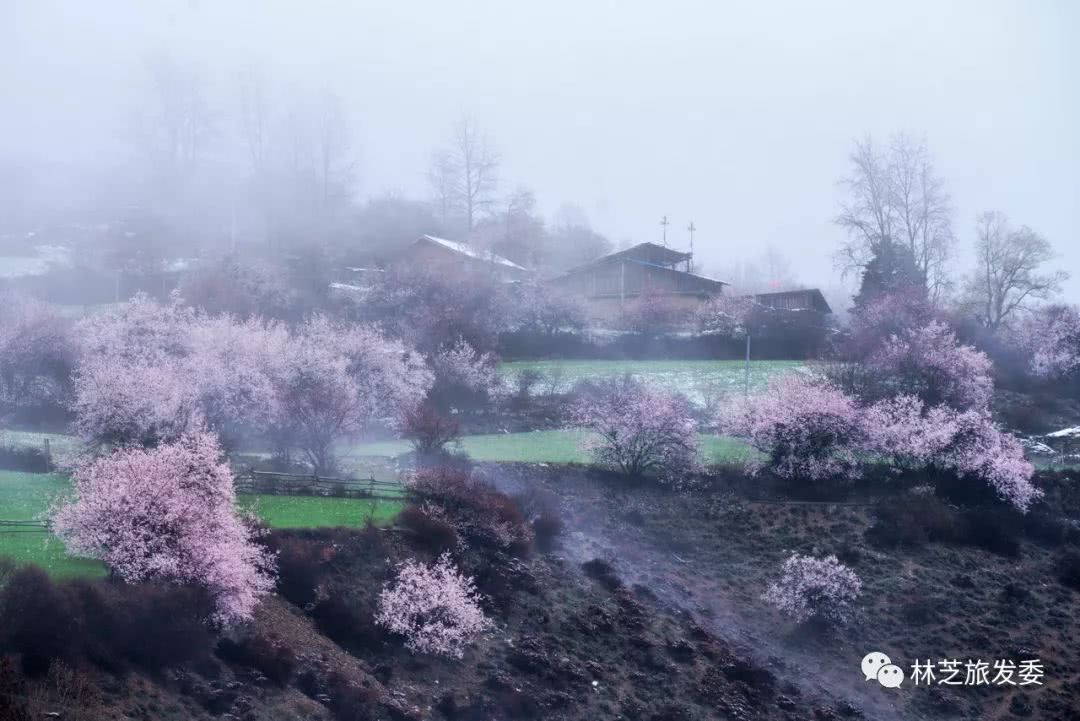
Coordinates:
558 446
27 496
319 512
689 377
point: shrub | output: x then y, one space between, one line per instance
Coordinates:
30 459
541 508
546 528
914 520
14 703
477 512
150 625
524 384
545 310
300 565
430 528
815 588
348 624
428 430
266 654
996 531
652 314
724 315
147 626
1068 569
168 513
638 430
806 428
37 620
435 607
7 569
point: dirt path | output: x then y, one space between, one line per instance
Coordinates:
685 578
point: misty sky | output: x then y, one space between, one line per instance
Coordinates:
738 116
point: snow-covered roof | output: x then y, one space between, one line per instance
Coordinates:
487 257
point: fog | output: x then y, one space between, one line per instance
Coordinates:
738 117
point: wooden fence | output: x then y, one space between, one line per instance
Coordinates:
294 484
10 527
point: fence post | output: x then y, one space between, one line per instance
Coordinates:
747 391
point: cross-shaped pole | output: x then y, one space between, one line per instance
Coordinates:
689 260
664 223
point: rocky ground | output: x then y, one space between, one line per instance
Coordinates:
714 553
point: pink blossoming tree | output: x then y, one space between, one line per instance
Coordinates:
887 315
233 367
725 315
37 353
335 380
928 362
1049 339
120 401
966 443
638 430
805 427
435 607
815 588
168 513
463 375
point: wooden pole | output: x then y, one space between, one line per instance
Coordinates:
747 364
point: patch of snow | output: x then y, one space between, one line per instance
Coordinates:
1073 432
487 257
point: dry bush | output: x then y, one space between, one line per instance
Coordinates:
266 654
430 528
478 512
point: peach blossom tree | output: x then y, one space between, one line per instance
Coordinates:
815 588
168 513
638 430
435 607
804 427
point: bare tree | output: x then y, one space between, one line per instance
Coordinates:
923 210
896 196
472 166
255 119
319 148
868 215
1007 274
175 123
442 177
333 150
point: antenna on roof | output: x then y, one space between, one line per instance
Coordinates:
664 223
690 260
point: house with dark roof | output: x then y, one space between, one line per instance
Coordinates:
805 299
435 254
644 270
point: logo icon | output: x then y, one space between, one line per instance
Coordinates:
876 665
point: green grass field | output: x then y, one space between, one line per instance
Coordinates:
319 512
693 378
557 446
28 496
